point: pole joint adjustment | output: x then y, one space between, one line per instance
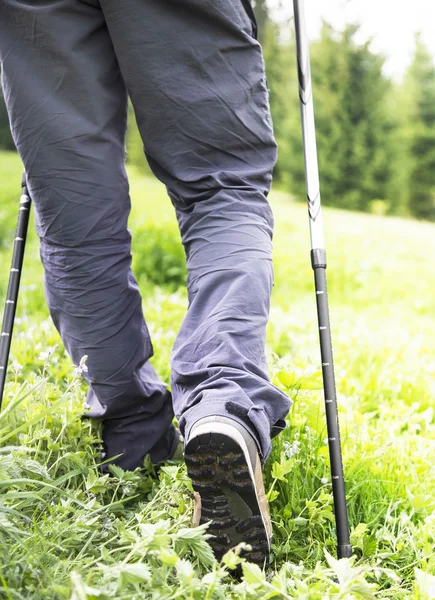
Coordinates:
318 258
344 551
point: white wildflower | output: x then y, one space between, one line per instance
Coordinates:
46 355
83 364
82 368
291 450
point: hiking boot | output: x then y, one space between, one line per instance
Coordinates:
131 460
223 463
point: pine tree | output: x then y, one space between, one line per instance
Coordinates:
281 72
352 122
420 89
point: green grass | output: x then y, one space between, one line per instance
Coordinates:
67 532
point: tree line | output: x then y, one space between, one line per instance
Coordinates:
375 137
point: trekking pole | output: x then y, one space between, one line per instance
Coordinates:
318 261
14 284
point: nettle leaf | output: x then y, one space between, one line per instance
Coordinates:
203 552
272 495
36 468
231 559
325 498
253 574
96 484
194 533
149 530
424 585
8 527
117 471
280 581
195 541
357 535
9 468
168 557
362 589
137 572
126 536
282 469
185 570
105 555
342 568
287 378
370 545
81 591
312 382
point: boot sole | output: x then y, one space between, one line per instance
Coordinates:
221 472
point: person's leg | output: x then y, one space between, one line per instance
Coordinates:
195 74
68 108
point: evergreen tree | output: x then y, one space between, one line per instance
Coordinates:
419 91
397 104
352 122
282 82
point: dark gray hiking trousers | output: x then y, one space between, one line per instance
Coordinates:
195 75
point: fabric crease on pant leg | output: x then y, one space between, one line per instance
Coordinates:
67 104
195 74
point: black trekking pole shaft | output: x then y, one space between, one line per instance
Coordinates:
14 284
318 261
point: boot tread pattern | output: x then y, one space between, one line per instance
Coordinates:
217 467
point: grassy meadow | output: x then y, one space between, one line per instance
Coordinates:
68 533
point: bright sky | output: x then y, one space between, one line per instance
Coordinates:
391 23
